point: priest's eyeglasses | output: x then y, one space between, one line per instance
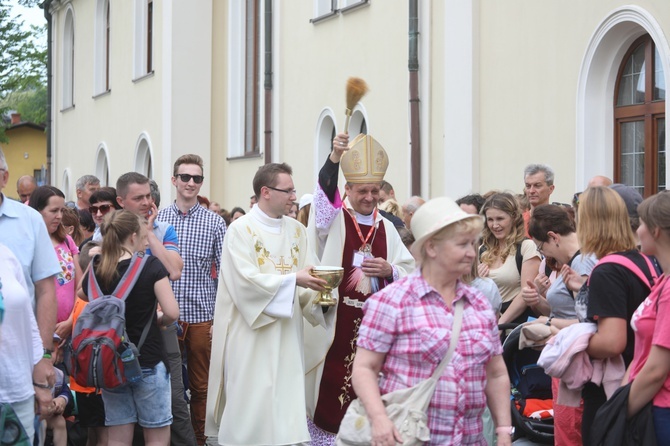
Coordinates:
286 191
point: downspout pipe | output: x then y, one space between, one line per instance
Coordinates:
47 15
267 83
414 101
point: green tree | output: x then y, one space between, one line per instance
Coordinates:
22 65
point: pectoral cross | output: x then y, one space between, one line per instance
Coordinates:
282 267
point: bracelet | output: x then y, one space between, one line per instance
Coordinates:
42 386
548 323
46 356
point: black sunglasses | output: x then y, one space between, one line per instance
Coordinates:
186 177
103 208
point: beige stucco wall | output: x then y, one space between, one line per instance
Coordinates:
117 118
531 54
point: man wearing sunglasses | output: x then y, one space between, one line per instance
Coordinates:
200 235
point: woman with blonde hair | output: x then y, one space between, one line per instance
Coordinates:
146 401
613 291
507 256
407 330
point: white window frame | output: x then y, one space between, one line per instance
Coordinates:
68 59
102 170
325 124
236 81
100 48
140 43
65 186
323 9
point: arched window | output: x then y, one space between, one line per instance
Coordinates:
325 133
67 86
102 165
101 58
66 185
143 159
639 119
358 123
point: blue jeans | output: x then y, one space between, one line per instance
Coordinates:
662 425
146 402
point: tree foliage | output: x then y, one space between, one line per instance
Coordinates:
22 66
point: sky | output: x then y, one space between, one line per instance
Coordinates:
30 16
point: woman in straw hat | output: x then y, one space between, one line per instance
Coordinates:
407 328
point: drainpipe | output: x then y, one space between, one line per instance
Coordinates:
47 15
415 135
268 81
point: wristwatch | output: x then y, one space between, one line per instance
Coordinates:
505 430
548 323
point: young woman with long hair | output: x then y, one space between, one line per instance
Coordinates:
504 244
146 401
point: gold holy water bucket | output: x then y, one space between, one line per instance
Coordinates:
333 276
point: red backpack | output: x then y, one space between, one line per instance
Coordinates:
93 355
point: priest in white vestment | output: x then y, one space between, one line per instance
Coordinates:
256 380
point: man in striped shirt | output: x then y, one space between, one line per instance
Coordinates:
200 235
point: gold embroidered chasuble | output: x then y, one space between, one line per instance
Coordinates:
256 379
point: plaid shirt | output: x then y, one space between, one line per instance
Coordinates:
409 321
201 235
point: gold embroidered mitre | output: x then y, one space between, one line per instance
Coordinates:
366 161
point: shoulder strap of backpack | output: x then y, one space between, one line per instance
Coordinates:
518 256
94 290
145 331
131 275
630 265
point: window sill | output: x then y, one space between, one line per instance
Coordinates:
324 17
67 109
144 76
246 156
104 93
354 6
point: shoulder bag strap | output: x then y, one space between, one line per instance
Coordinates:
455 334
145 331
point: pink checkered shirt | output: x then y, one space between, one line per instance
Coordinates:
409 321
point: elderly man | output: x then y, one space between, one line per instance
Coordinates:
85 186
25 187
256 380
409 208
372 254
539 184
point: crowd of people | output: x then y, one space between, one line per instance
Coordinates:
236 349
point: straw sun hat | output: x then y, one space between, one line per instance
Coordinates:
432 217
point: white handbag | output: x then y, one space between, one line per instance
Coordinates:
406 408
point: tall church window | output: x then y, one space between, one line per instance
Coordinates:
639 119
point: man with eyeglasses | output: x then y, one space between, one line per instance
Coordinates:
201 234
258 322
23 231
133 192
